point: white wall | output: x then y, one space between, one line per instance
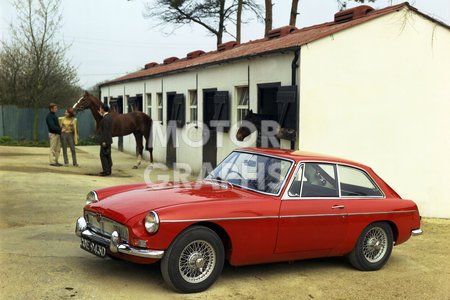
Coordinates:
223 77
378 93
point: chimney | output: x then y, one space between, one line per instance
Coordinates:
352 14
280 32
150 65
195 54
227 46
170 60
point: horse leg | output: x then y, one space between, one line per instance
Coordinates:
138 137
149 148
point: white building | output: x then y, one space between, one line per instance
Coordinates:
372 86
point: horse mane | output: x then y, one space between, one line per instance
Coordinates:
93 98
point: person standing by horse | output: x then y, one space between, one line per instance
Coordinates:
70 135
105 140
54 133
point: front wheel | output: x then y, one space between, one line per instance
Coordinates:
194 260
373 247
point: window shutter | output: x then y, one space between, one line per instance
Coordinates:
287 112
179 110
222 109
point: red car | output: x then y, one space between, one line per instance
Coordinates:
257 206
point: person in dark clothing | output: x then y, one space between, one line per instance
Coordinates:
105 140
54 133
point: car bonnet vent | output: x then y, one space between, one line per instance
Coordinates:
170 60
227 46
195 54
280 32
352 14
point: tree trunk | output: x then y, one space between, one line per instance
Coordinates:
36 119
268 17
221 22
238 21
294 8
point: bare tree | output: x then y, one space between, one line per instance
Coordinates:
239 20
213 15
342 4
33 63
293 17
268 18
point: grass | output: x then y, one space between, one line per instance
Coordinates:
8 141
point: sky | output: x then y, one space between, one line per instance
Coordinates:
110 38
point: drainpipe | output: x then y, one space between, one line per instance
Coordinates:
294 67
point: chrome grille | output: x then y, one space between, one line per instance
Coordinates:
105 226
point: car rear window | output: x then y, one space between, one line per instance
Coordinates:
356 182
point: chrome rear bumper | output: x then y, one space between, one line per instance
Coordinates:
115 244
416 232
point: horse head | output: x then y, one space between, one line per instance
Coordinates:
83 103
245 130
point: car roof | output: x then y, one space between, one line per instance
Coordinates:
298 155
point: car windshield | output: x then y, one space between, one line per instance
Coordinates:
253 171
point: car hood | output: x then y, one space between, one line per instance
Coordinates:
124 205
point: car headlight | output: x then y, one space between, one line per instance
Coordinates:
151 222
91 197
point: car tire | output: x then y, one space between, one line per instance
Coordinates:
373 247
193 261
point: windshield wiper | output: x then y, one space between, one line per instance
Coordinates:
218 178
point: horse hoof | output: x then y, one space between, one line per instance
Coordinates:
135 167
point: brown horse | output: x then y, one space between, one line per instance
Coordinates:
136 122
252 119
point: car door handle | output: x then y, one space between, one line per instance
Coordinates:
338 207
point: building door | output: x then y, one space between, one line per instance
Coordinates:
267 106
209 145
135 103
171 150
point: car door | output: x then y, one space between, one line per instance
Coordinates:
313 218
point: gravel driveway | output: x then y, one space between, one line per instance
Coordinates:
40 256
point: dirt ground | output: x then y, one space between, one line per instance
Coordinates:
40 257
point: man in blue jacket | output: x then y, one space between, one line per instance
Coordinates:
54 134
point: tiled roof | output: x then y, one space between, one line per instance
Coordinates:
292 40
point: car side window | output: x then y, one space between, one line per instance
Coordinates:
319 180
294 190
356 182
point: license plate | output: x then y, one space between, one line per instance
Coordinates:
93 247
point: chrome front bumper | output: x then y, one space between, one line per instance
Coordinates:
115 243
416 232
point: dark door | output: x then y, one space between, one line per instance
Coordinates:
267 106
135 103
116 104
209 146
171 150
288 113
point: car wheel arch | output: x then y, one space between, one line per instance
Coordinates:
221 232
394 229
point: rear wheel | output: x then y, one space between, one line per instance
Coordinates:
373 247
194 260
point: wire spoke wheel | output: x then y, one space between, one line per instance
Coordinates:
373 247
375 244
197 261
194 260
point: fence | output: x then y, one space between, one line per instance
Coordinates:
18 123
